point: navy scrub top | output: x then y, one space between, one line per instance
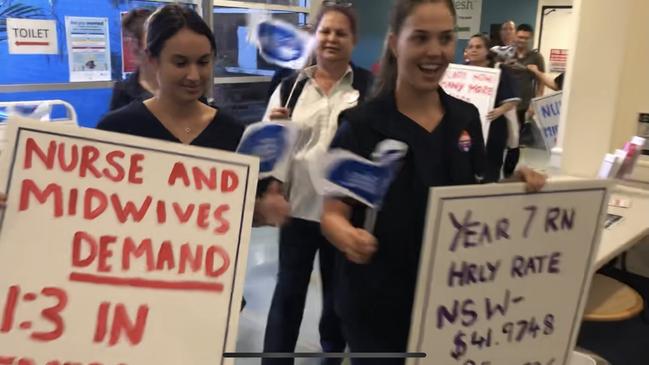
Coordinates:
506 88
136 119
129 90
452 154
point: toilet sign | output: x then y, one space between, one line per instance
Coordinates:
29 36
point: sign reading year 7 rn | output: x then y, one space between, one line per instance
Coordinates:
504 274
120 250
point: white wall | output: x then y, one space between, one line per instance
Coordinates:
633 97
595 79
315 7
539 8
606 86
634 85
558 33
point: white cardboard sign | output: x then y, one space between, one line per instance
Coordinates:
547 110
504 275
31 36
117 249
476 85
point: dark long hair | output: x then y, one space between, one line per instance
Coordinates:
133 23
387 79
168 20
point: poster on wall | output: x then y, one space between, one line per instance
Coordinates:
504 274
139 252
468 17
32 36
558 60
476 85
88 48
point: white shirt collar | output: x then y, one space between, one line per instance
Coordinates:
348 76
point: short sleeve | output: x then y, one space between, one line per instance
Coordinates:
112 122
540 62
119 97
506 90
346 138
559 80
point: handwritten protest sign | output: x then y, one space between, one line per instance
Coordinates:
547 111
120 250
476 85
504 274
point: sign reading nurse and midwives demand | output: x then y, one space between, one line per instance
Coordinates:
117 249
504 274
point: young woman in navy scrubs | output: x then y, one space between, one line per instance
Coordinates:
506 99
376 272
181 48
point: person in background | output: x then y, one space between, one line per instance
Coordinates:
506 100
508 33
506 48
141 84
527 86
181 51
376 272
555 84
312 100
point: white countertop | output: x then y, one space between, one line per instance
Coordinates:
630 230
622 235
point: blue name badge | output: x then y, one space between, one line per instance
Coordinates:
273 143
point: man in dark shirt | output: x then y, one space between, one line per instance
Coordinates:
528 86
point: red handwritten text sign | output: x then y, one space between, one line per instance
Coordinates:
120 250
476 85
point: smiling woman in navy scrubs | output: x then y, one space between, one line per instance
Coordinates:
181 48
376 272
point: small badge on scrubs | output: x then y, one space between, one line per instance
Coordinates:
464 143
